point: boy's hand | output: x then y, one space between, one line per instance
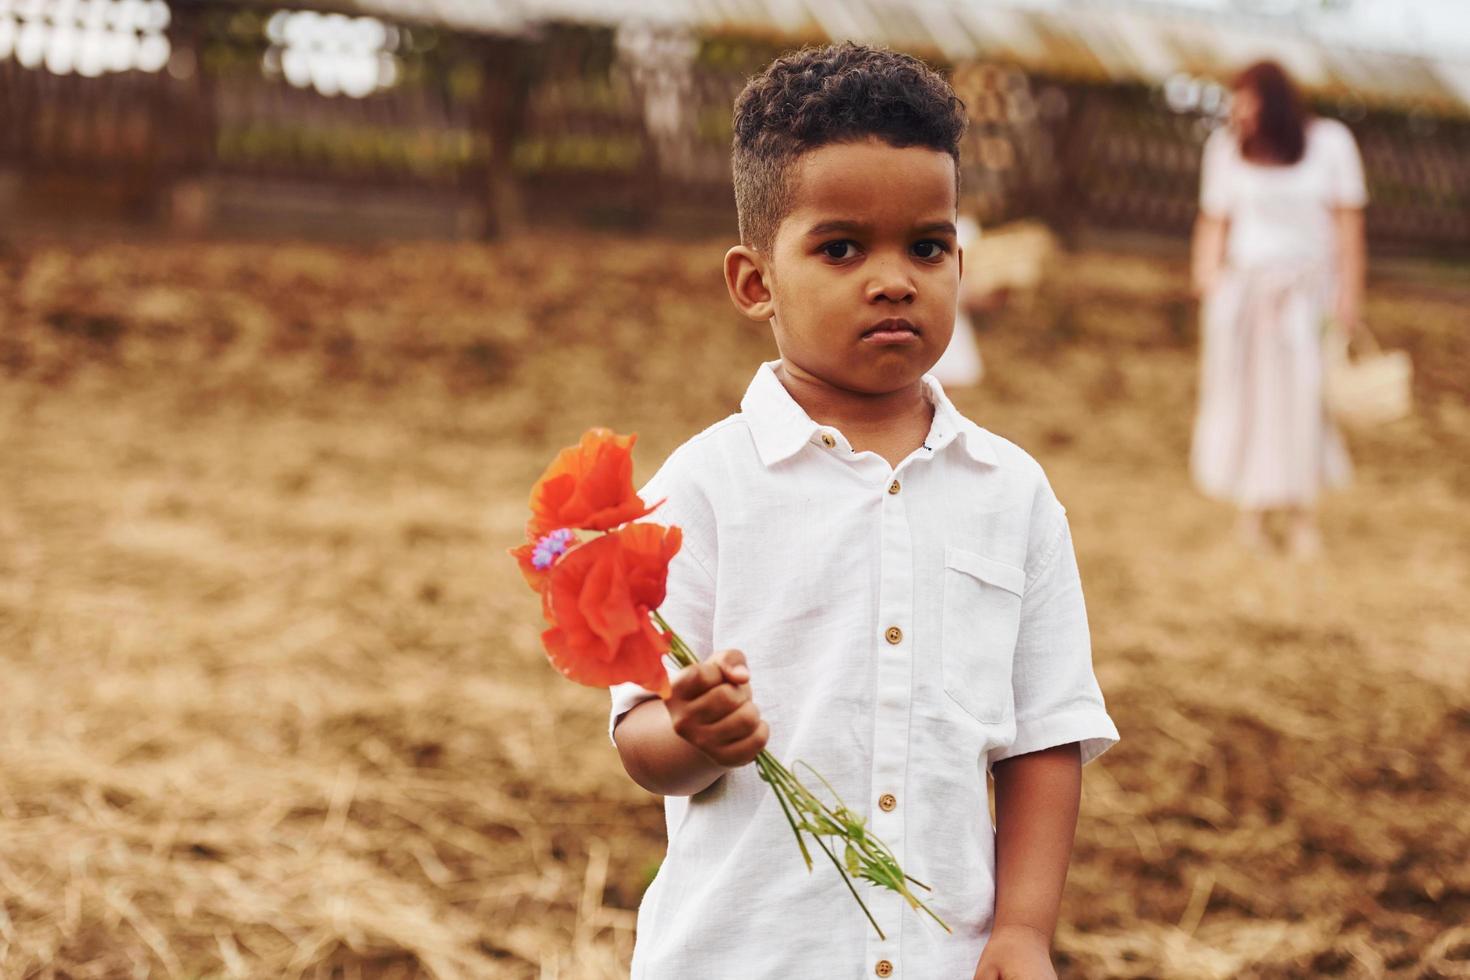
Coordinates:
711 709
1016 953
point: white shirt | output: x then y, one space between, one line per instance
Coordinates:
1282 214
906 628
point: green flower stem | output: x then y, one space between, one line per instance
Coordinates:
764 763
868 856
848 882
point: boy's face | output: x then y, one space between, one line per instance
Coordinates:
863 275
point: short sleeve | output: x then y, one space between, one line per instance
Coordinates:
1216 180
689 600
1057 698
1346 186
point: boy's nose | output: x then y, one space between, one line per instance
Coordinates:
892 286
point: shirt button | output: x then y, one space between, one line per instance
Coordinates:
894 487
893 635
883 968
887 802
828 441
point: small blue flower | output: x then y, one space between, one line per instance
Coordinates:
550 547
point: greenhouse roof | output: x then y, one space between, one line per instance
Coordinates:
1120 40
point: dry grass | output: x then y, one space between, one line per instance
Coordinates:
274 704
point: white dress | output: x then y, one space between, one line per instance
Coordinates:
1262 437
960 365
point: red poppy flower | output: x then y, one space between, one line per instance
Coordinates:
537 557
599 599
589 486
535 577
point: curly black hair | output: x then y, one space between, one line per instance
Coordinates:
834 94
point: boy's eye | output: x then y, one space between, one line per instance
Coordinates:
930 249
844 249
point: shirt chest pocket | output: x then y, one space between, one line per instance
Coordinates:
982 616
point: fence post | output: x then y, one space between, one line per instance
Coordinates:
511 67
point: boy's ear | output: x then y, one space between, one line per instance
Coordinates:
745 278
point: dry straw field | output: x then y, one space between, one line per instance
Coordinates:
274 705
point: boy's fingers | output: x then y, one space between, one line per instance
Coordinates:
732 666
727 666
716 703
741 752
683 683
738 724
695 679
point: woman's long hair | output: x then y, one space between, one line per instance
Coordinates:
1280 132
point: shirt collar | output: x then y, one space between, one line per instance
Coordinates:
781 427
950 425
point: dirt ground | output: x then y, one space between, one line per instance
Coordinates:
274 703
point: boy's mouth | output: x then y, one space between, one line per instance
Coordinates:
894 330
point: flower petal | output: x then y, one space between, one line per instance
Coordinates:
589 485
535 577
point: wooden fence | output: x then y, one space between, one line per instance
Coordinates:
469 133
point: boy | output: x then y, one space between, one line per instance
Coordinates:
883 590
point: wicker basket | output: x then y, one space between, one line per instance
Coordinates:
1370 387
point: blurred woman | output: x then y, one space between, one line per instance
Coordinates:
960 365
1278 255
